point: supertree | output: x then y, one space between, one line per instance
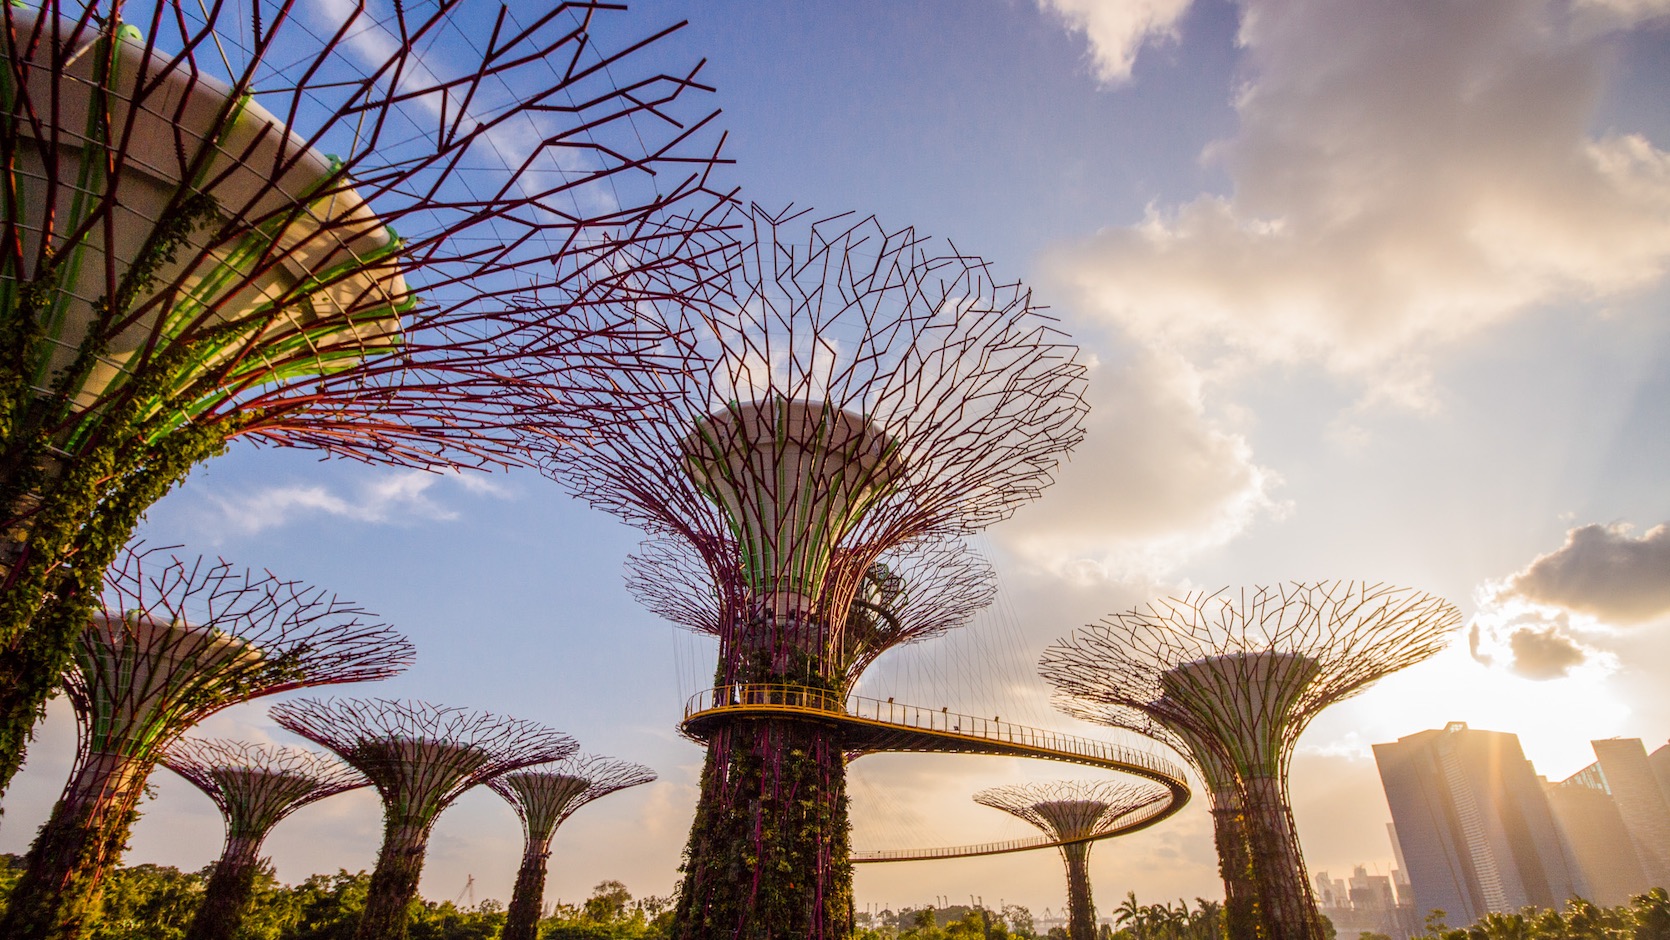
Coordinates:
1073 813
544 796
312 226
255 786
1224 800
172 645
1235 679
851 389
420 757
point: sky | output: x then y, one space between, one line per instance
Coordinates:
1372 291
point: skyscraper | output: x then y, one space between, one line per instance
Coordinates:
1472 822
1596 839
1635 788
1660 761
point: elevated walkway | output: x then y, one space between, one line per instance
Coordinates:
873 726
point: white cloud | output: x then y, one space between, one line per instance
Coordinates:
391 496
1406 176
1118 29
1602 571
1157 481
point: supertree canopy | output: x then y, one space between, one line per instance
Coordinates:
315 226
918 591
544 796
174 643
255 786
420 757
851 389
1233 680
1074 812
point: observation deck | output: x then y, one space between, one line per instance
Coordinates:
873 726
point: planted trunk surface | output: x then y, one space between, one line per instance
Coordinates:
1229 833
768 857
226 897
394 883
58 893
1081 908
1287 908
522 917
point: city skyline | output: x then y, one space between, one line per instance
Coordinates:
1490 425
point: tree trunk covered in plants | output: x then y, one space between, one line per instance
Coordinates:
77 520
226 896
522 917
768 852
394 883
1285 901
1229 833
1081 908
58 894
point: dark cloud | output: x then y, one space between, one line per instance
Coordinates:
1602 571
1545 652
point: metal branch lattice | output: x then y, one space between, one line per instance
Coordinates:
546 795
178 643
419 756
187 252
852 389
915 592
1250 670
1233 681
257 785
1072 809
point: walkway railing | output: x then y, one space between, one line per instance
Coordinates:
793 698
996 736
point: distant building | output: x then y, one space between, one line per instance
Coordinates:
1331 892
1400 874
1614 816
1473 826
1365 903
1371 892
1596 838
1635 788
1660 760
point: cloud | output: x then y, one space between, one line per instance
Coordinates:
1406 176
386 497
1118 29
1545 653
1157 481
1536 642
1602 571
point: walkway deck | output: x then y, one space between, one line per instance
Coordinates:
873 726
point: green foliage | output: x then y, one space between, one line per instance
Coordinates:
1162 921
155 902
957 922
1647 917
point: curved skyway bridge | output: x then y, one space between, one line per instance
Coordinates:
876 726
